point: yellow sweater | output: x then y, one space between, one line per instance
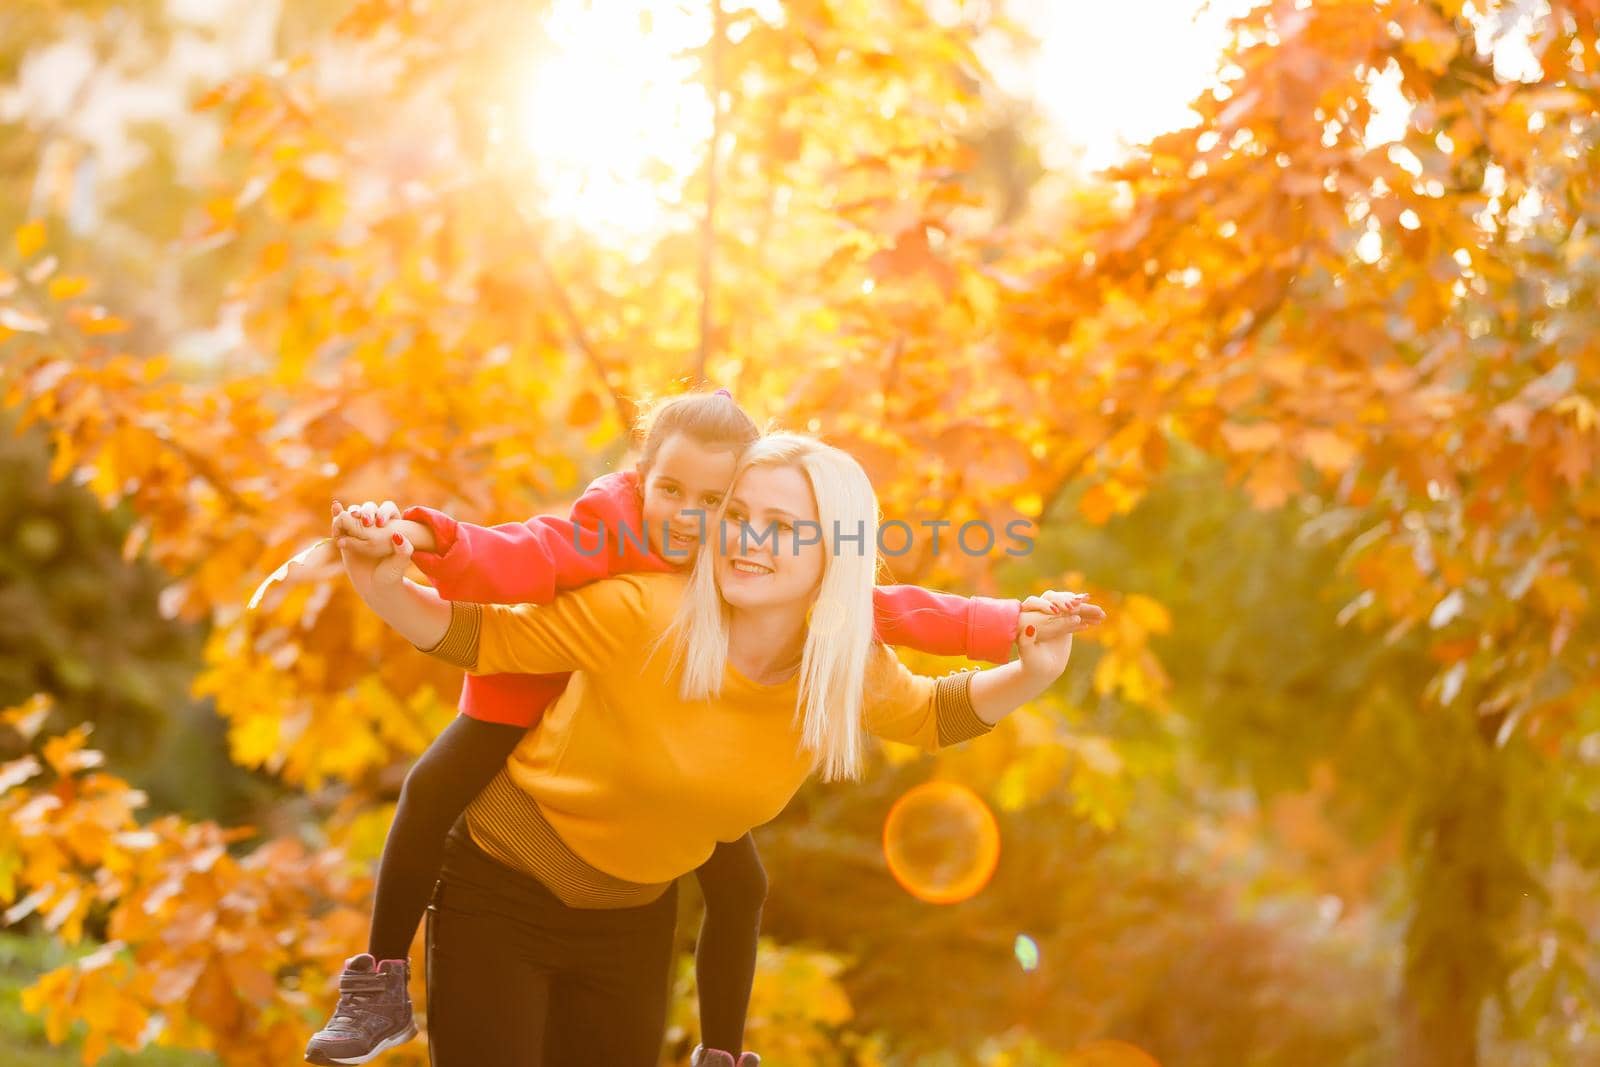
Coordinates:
638 782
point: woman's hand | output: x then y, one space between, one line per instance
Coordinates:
1045 629
1044 645
415 611
376 560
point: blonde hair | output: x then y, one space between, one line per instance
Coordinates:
839 632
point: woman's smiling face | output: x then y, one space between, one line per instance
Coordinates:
771 511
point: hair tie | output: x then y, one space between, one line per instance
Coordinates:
723 392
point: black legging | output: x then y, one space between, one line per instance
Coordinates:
735 887
516 978
445 779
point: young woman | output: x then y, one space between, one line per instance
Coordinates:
619 525
700 705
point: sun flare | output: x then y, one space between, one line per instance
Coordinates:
611 116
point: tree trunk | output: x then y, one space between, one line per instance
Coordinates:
1443 1033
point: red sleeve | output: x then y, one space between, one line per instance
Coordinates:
945 624
512 699
530 562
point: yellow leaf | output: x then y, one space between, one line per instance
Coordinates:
68 286
1106 670
1580 408
1150 615
30 239
254 740
220 211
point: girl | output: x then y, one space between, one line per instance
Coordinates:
555 903
687 461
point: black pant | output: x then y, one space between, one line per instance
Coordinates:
458 764
516 978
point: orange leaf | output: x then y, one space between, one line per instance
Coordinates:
66 754
585 410
96 320
1272 480
1097 504
1251 437
1328 452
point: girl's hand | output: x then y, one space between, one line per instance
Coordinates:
371 570
1052 606
1044 639
373 523
366 535
379 515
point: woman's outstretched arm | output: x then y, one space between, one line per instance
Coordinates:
1042 657
417 613
933 712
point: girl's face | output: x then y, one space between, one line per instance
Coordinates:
686 477
763 562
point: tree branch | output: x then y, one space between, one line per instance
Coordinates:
1260 317
708 227
625 408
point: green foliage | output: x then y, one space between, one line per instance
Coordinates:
77 620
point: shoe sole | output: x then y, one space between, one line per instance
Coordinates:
382 1046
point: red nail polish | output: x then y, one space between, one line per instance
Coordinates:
397 539
365 521
1028 631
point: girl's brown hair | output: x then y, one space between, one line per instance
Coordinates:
712 419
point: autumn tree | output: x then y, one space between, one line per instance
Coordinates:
1404 332
1395 336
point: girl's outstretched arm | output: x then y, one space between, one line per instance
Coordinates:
523 562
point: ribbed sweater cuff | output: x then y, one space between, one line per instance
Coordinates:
957 718
459 645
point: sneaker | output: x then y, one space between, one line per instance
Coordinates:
373 1014
715 1057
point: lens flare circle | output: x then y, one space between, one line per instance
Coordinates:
942 842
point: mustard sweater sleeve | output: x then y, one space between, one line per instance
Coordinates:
588 628
900 705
